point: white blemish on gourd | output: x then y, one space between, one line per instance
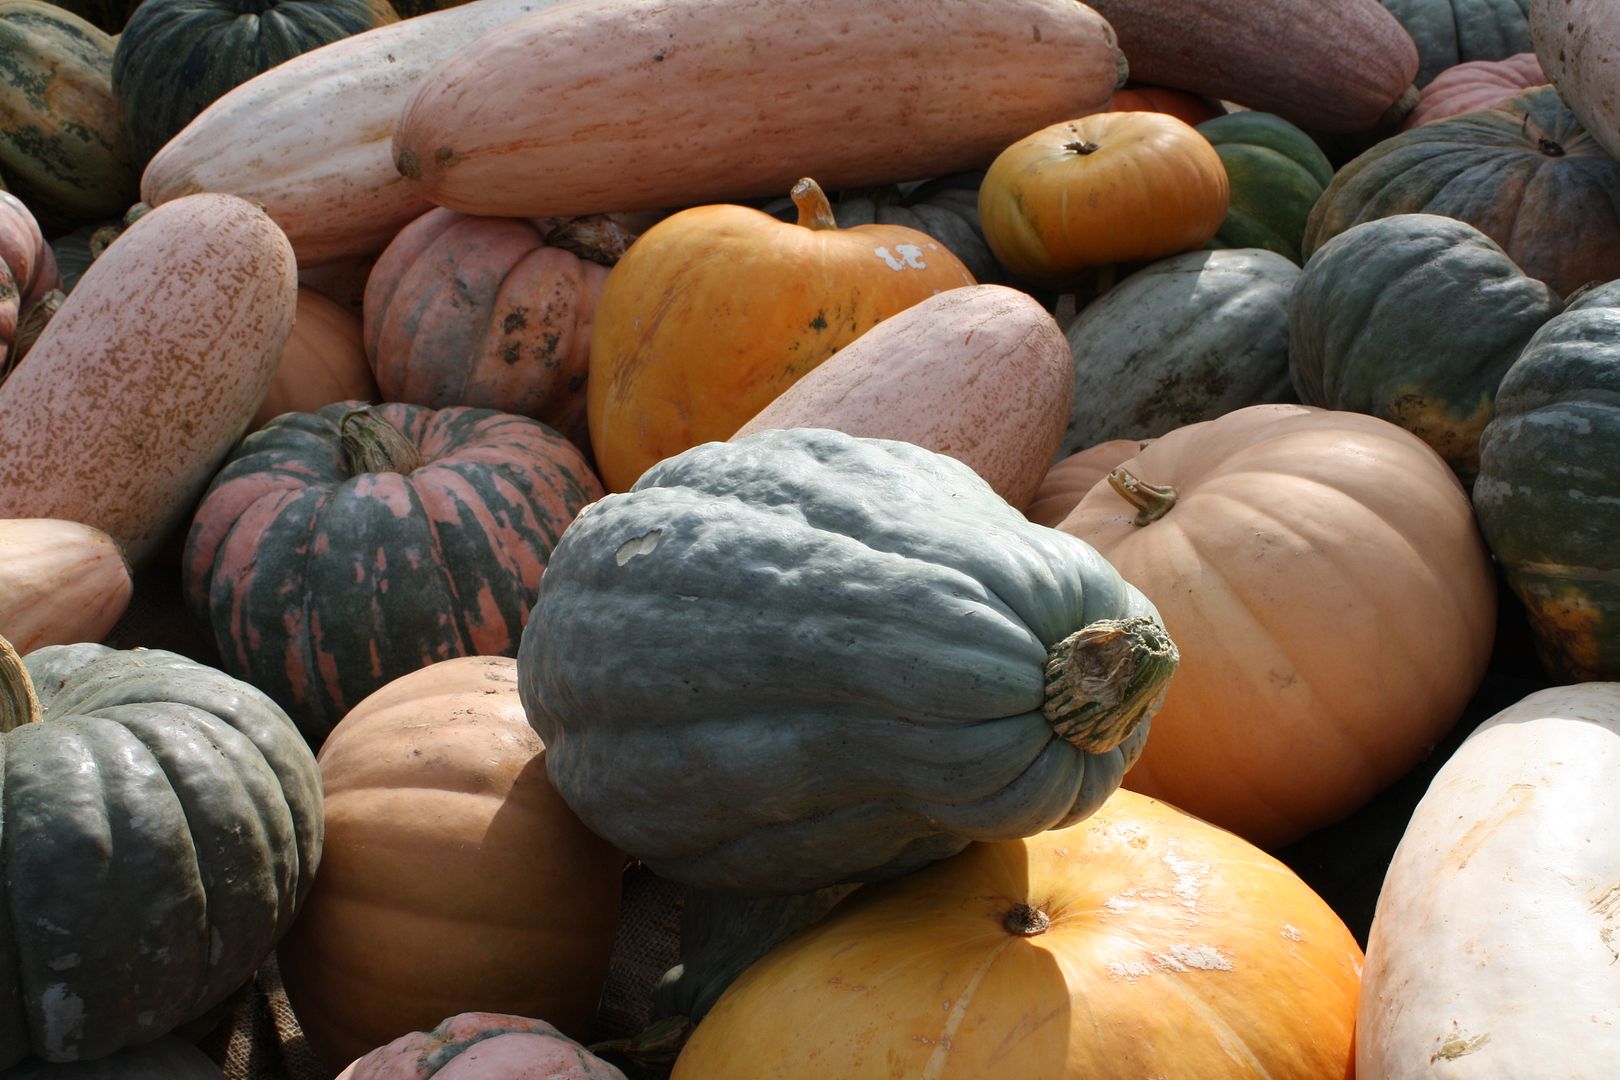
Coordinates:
903 257
63 1015
1180 960
1201 957
1129 970
1458 1044
1292 933
1119 904
1190 876
48 926
137 822
65 962
641 545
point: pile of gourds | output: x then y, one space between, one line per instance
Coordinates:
994 535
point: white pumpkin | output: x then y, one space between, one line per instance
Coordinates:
1495 947
1578 44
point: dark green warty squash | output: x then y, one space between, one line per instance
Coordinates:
176 57
1451 32
801 657
1548 492
161 825
1414 319
1276 173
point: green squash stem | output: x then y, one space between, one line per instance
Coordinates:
18 705
373 445
1105 679
815 212
1152 501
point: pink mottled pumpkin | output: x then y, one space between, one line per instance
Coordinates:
479 311
24 251
483 1046
1068 480
1475 85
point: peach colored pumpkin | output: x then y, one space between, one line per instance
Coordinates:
150 371
1475 85
1068 480
1334 604
60 583
483 1046
463 310
323 361
453 876
981 373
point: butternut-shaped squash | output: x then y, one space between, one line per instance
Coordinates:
638 106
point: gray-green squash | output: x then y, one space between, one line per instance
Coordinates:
801 658
1414 319
161 824
1184 339
1548 492
1451 32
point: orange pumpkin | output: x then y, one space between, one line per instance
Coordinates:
1181 104
1068 480
1140 942
453 876
1334 604
1107 188
716 310
323 361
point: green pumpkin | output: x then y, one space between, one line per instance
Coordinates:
1526 174
1451 32
1277 172
176 57
1548 492
62 149
162 825
1414 319
1184 339
168 1058
800 658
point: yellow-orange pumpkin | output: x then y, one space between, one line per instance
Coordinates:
324 361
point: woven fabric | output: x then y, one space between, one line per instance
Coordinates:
646 945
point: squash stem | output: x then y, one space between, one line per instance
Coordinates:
1026 921
1106 678
1152 501
815 212
373 445
18 705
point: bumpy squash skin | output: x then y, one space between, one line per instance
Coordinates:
1414 319
874 621
1549 477
1276 173
1526 174
1451 32
192 805
483 1046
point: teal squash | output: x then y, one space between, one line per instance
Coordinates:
338 550
1525 173
163 824
1548 492
1451 32
168 1058
1184 339
1276 173
176 57
1414 319
801 658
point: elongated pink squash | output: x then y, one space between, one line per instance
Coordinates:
309 140
981 373
60 583
149 372
606 105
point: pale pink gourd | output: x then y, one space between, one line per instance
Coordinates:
1475 85
60 583
483 1046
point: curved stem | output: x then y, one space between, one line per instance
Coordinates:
1105 679
815 212
1152 501
1082 148
373 445
18 705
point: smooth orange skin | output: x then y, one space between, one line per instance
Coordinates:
323 361
1152 187
1068 480
453 877
716 310
1175 950
1181 104
1334 605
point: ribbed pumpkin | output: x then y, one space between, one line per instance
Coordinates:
894 662
483 1046
1526 174
176 57
324 361
1576 41
163 826
1184 339
1184 106
1451 32
1414 319
1303 560
62 148
462 310
61 582
340 549
25 253
1548 493
1068 480
1106 188
1276 173
716 310
1476 85
454 878
168 1058
1141 942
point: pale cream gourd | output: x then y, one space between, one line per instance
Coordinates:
1578 44
60 583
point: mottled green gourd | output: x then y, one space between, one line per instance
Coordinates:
1450 32
162 828
802 658
1414 319
1548 492
1276 172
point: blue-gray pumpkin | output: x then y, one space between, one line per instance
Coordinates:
802 657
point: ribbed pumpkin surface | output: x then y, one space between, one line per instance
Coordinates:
1451 32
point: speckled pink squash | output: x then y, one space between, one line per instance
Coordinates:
483 1046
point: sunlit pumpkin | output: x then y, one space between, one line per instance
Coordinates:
1069 478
